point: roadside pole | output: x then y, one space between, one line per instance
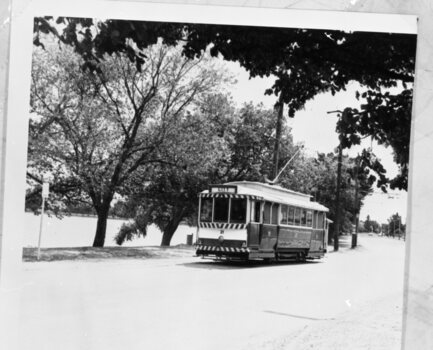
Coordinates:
356 219
45 192
336 234
337 199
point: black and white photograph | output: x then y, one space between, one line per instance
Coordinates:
202 182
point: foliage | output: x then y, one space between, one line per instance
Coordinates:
317 176
395 226
304 62
370 225
210 146
251 145
93 130
386 118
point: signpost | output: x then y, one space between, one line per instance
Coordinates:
45 193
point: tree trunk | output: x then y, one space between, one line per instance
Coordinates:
101 227
171 228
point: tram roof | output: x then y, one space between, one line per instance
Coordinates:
274 193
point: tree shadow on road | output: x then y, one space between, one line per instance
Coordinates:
231 265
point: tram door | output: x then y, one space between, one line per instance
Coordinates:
269 230
327 222
255 226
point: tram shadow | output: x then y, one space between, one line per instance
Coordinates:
239 264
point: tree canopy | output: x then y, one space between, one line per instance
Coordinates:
304 62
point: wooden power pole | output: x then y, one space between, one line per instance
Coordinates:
355 223
279 125
337 199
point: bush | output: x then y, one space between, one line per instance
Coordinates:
132 229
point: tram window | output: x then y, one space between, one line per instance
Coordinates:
303 217
255 211
291 216
309 218
284 210
238 210
320 220
267 213
275 208
221 210
206 209
297 216
314 219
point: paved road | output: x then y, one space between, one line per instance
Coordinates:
188 303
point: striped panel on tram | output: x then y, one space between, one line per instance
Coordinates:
228 195
207 248
221 226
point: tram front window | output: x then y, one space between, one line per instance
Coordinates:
238 211
206 210
221 210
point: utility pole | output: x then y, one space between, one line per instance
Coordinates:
355 223
45 192
337 198
280 111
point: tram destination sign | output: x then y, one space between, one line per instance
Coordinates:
223 189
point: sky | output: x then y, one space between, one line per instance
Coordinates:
314 127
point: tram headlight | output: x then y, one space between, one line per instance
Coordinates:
244 244
221 238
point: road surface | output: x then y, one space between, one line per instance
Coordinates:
350 299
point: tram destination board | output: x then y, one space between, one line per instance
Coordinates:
223 189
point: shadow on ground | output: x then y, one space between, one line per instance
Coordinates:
229 265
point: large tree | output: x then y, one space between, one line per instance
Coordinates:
93 129
166 193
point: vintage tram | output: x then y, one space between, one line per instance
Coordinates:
252 220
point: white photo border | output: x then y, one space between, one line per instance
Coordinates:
15 147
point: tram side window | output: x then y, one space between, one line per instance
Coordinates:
284 212
206 210
267 213
255 211
238 210
303 217
297 216
309 218
291 216
321 220
275 209
314 219
221 210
